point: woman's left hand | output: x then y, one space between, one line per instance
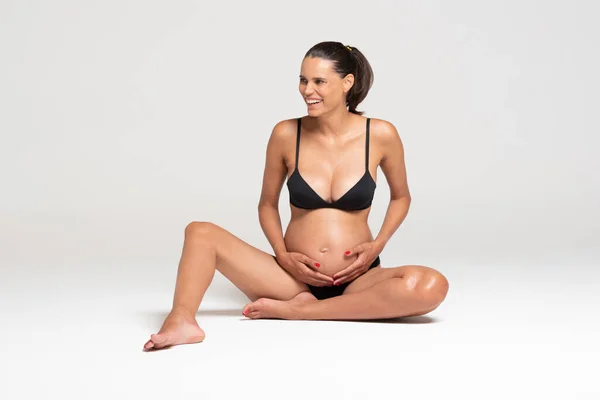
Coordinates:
367 253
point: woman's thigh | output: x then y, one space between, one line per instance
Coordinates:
369 278
253 271
378 274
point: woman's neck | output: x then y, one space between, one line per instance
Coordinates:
334 124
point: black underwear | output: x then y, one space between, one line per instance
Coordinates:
325 292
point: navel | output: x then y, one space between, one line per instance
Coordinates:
324 250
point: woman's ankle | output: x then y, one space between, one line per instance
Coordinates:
182 311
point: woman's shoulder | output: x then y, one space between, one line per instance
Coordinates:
285 128
386 139
283 132
382 129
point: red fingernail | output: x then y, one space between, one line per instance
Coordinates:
346 253
317 265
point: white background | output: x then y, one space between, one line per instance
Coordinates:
122 121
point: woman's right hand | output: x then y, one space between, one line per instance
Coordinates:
303 269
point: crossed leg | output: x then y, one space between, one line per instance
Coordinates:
380 293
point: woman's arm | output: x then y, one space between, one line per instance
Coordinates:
273 178
394 169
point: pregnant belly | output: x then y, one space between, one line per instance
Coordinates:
325 240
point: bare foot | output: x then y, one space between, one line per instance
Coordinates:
178 328
269 308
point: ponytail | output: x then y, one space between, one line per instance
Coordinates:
363 81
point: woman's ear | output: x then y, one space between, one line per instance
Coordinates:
348 82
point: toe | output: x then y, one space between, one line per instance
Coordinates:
250 307
159 340
149 344
246 309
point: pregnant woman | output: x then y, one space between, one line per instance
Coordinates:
327 266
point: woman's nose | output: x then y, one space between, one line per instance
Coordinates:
308 89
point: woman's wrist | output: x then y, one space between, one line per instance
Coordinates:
380 244
279 251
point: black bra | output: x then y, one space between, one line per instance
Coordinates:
359 197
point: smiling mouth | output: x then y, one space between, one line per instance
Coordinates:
314 102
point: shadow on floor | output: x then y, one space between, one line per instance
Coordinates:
159 316
420 319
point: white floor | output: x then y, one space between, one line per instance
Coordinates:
77 331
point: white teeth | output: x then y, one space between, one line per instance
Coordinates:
313 101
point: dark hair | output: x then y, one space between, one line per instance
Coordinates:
347 60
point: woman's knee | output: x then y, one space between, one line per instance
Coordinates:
427 284
200 228
433 287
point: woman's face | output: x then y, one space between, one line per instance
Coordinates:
321 87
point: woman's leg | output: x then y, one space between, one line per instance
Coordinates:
208 247
380 293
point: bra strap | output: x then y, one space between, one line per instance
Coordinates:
298 142
367 146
